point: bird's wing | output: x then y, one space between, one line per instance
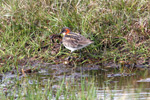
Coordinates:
76 40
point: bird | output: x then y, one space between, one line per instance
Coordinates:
74 41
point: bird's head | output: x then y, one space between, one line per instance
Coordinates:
65 31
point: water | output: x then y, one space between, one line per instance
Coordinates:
110 84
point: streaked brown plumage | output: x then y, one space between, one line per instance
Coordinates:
74 41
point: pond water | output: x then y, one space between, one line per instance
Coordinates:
110 84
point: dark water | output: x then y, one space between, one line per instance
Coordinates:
122 84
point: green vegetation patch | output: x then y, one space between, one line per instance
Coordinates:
119 28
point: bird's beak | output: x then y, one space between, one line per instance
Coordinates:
59 33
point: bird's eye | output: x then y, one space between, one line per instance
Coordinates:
63 31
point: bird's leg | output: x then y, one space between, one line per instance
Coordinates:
80 54
68 58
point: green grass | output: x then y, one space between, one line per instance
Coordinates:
119 28
64 89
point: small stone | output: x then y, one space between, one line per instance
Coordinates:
66 62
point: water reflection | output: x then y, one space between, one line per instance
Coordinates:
109 83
